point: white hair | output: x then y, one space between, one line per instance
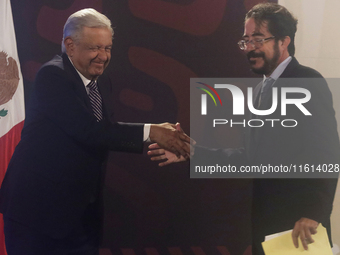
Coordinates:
84 18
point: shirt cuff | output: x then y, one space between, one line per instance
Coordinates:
146 136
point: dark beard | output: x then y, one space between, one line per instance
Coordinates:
269 64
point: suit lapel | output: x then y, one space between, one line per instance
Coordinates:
78 83
102 82
105 90
256 94
290 69
251 133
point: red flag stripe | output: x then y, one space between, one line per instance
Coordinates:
8 142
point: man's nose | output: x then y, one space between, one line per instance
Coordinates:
103 55
249 47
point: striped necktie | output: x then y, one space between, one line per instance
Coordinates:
95 100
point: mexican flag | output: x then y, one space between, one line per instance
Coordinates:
12 112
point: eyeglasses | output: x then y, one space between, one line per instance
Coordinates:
256 43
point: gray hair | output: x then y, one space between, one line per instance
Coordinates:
84 18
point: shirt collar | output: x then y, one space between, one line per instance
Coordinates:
83 78
279 69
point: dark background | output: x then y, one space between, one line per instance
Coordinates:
159 45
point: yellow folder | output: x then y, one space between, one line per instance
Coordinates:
283 245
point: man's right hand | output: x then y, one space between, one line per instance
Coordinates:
170 138
157 153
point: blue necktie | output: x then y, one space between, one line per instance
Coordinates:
265 91
95 100
264 98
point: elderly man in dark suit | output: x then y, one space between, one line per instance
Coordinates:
282 204
50 194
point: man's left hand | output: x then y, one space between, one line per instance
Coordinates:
304 228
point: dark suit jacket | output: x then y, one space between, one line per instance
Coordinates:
55 169
279 203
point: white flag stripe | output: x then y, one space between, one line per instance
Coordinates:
15 106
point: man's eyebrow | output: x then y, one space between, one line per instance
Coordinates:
254 34
257 34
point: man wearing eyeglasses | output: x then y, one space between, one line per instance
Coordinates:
282 204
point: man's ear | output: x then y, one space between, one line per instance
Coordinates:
69 46
285 42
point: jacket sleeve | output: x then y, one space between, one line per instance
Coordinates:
321 152
56 99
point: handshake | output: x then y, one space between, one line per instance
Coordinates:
171 144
